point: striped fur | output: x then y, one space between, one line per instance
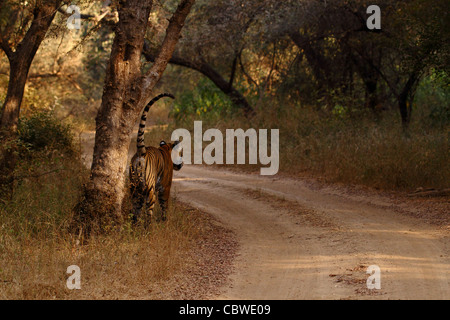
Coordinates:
151 177
151 171
140 136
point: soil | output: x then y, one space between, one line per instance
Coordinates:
300 240
303 239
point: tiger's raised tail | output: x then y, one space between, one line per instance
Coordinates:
140 136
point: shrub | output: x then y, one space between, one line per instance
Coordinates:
42 131
433 97
205 102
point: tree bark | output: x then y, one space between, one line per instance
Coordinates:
126 92
405 99
372 96
319 65
20 62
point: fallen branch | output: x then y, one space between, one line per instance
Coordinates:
430 193
40 174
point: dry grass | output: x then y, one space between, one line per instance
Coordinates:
363 152
129 264
355 150
133 262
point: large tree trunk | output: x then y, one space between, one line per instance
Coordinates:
16 86
320 67
20 61
126 92
8 123
406 98
107 187
371 99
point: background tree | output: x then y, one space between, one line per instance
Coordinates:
212 43
22 31
23 27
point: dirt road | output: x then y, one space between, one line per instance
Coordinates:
301 241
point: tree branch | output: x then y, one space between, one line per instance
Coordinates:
167 48
249 78
5 47
37 175
208 71
233 70
82 16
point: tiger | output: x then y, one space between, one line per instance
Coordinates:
151 171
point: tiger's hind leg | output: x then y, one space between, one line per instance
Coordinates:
150 205
138 203
163 199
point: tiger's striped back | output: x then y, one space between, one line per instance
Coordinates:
151 177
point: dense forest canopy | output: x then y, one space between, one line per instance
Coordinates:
316 52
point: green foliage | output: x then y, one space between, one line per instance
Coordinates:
41 131
48 176
433 95
205 102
